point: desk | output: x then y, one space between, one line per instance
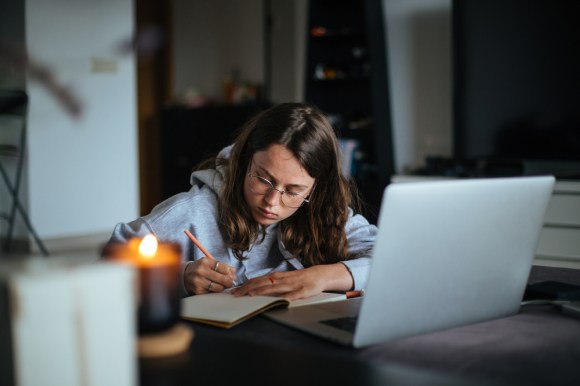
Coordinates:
537 346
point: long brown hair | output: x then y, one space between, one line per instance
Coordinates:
316 232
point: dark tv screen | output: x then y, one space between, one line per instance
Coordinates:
516 73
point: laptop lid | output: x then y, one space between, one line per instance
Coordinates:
448 253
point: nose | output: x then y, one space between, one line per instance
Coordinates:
273 197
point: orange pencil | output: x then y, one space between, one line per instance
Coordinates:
196 242
354 294
205 252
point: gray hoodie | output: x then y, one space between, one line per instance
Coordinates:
196 210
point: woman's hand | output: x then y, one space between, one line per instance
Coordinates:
208 275
299 284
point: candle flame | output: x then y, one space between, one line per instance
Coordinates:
148 246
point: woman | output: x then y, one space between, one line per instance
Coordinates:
275 211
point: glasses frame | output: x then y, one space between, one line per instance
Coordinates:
272 188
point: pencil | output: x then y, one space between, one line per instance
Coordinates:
205 252
196 242
354 294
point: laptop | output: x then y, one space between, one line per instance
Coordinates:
448 253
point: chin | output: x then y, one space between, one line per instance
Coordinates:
264 221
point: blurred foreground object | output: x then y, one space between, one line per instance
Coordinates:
67 322
144 43
16 56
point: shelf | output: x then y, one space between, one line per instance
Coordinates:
350 85
189 135
339 80
321 32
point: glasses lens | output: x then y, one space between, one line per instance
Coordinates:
262 186
292 201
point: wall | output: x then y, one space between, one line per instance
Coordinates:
82 173
288 50
418 48
212 38
419 60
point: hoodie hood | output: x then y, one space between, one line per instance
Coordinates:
212 178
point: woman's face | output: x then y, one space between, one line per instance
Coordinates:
277 165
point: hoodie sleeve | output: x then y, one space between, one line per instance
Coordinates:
194 210
361 236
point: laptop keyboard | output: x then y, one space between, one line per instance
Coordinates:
347 323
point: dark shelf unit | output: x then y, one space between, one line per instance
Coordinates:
346 77
190 135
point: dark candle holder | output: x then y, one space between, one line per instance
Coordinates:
159 303
159 309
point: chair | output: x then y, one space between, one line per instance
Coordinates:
14 103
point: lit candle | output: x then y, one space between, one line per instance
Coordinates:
158 266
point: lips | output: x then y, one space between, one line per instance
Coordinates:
267 214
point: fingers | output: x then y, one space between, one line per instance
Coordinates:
208 275
221 273
269 285
214 287
220 267
291 285
208 287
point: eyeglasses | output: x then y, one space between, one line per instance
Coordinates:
262 186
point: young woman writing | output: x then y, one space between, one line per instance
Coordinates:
274 210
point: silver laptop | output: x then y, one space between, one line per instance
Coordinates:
448 253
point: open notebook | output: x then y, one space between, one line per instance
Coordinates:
222 309
448 253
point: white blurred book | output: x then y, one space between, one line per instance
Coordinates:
67 322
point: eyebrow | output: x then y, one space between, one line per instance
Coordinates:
273 179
